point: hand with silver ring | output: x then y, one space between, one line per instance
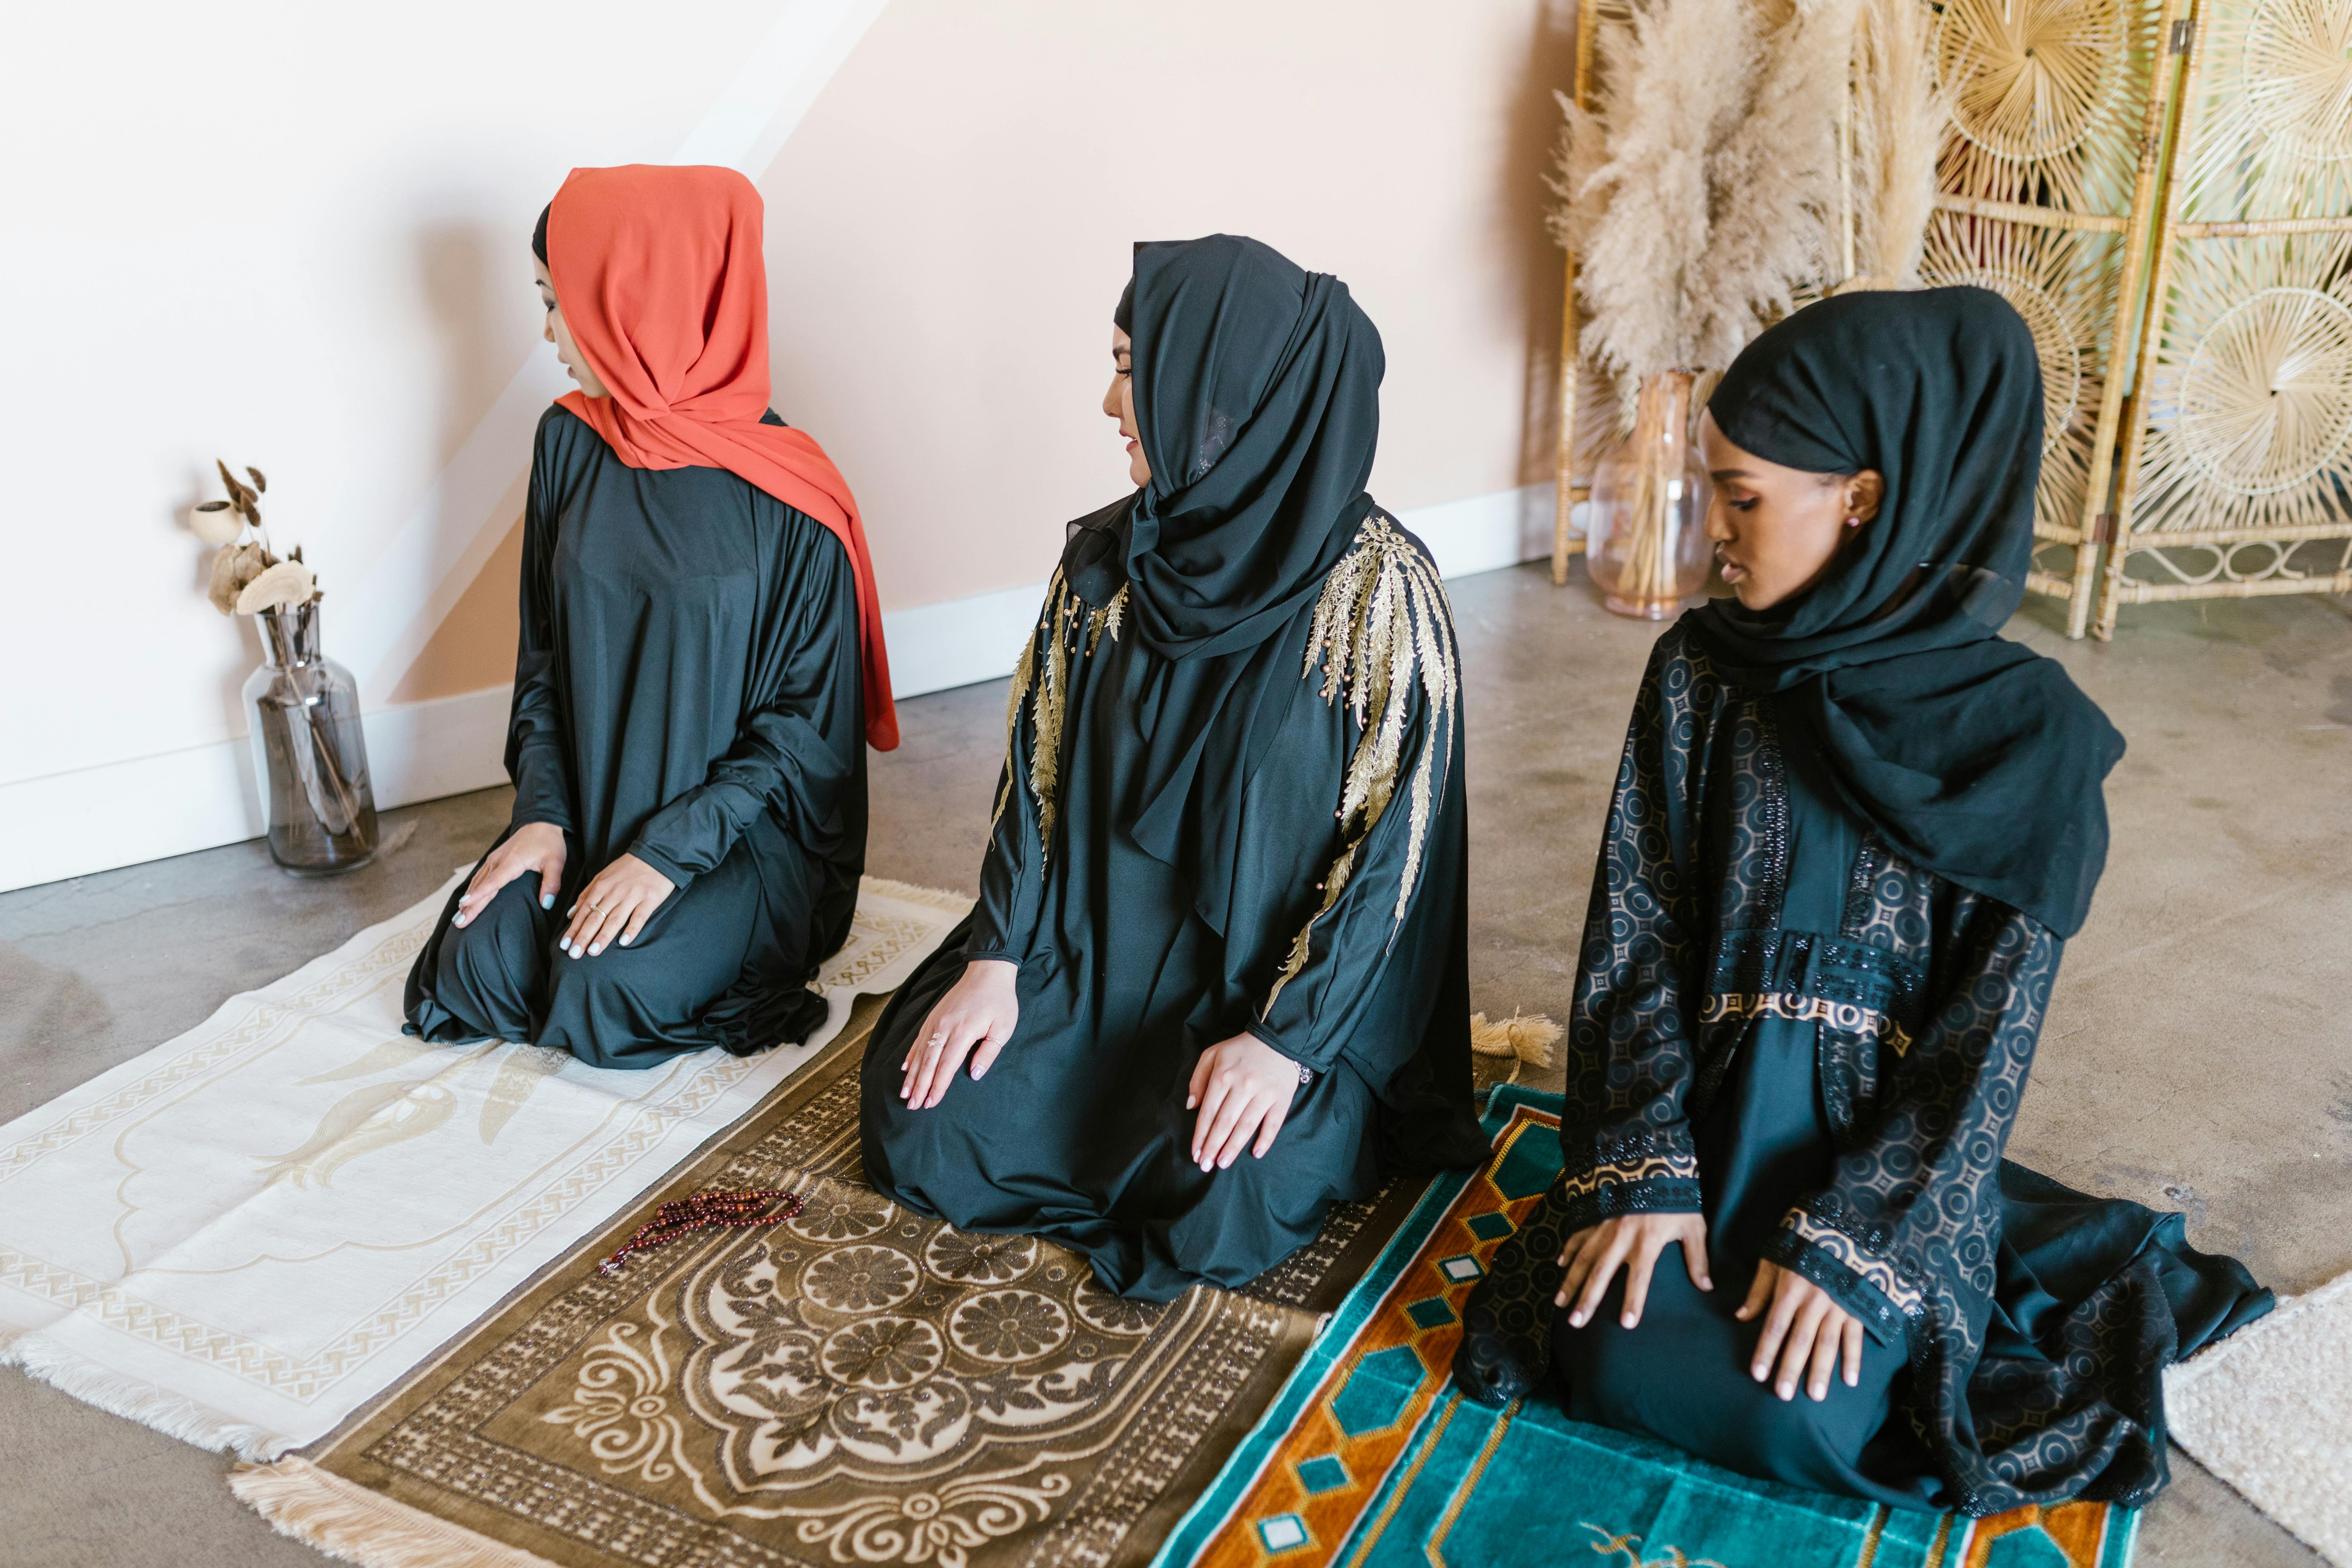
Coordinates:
615 905
980 1010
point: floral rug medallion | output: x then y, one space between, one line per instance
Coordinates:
858 1384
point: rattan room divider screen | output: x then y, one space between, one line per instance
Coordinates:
2163 188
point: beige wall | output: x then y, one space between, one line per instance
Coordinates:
295 235
949 228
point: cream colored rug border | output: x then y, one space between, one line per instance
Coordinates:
241 1235
2269 1410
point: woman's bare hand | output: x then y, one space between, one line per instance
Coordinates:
1242 1087
534 847
617 904
1804 1326
1635 1240
980 1009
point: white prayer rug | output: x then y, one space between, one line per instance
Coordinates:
243 1234
2269 1410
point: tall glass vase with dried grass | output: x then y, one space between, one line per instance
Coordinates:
1700 186
302 709
1645 541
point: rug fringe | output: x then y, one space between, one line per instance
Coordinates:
1529 1037
174 1415
345 1521
907 892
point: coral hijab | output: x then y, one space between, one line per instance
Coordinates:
664 286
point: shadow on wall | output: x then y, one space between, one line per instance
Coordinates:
1526 165
458 266
467 270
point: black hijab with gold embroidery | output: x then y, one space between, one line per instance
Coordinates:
1975 758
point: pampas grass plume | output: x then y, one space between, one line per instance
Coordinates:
1901 118
1697 189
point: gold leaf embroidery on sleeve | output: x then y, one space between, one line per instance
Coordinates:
1041 680
1380 626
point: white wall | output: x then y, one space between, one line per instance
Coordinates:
296 236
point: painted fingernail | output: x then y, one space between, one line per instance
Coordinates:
1629 1320
595 949
1576 1319
626 936
547 900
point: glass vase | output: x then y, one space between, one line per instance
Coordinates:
1645 535
310 759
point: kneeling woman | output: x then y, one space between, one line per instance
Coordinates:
1217 975
1851 830
700 665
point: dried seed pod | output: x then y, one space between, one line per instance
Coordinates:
260 485
239 495
215 522
288 582
223 588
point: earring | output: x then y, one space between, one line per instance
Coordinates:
1853 522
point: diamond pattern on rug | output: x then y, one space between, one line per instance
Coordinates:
1369 1458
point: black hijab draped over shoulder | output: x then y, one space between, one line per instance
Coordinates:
1257 398
1975 758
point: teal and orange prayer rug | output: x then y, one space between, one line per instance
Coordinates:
1369 1457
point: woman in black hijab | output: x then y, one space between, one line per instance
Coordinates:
1852 831
1217 978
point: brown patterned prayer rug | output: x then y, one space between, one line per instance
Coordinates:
858 1384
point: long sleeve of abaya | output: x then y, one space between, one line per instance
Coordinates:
1377 906
1910 1223
1626 1143
1006 914
536 746
797 744
1012 873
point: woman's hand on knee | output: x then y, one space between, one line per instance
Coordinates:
615 906
534 847
1810 1333
979 1010
1242 1088
1633 1241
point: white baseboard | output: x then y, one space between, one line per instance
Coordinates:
144 808
936 647
960 641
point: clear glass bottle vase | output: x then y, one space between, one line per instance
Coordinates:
1645 542
310 758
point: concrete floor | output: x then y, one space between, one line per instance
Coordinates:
2197 1054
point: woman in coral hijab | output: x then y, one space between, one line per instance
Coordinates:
700 667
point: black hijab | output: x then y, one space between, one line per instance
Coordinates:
1257 397
1974 758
